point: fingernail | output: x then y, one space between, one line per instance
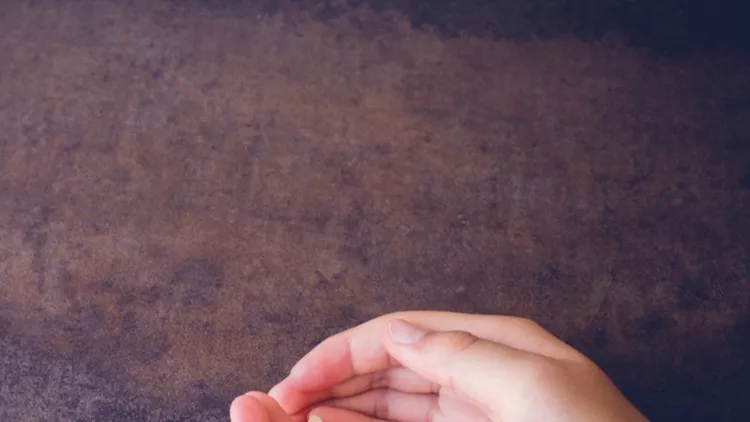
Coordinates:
314 418
403 332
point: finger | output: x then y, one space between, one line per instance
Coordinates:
333 414
403 407
398 378
390 405
453 407
484 373
248 409
257 407
361 350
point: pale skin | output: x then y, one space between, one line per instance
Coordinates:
441 367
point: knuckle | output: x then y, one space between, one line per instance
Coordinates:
539 372
519 323
585 365
528 324
457 341
379 379
382 405
433 414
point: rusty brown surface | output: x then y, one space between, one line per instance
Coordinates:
190 198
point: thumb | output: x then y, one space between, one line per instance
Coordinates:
480 371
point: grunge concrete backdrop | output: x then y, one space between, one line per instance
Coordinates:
192 194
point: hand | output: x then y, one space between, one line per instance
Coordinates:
441 367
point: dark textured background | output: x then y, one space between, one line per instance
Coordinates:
193 193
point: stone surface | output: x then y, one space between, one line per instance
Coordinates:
192 194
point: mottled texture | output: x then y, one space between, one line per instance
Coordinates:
192 194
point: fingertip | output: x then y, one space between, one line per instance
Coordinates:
298 370
276 391
247 408
292 398
282 393
405 333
